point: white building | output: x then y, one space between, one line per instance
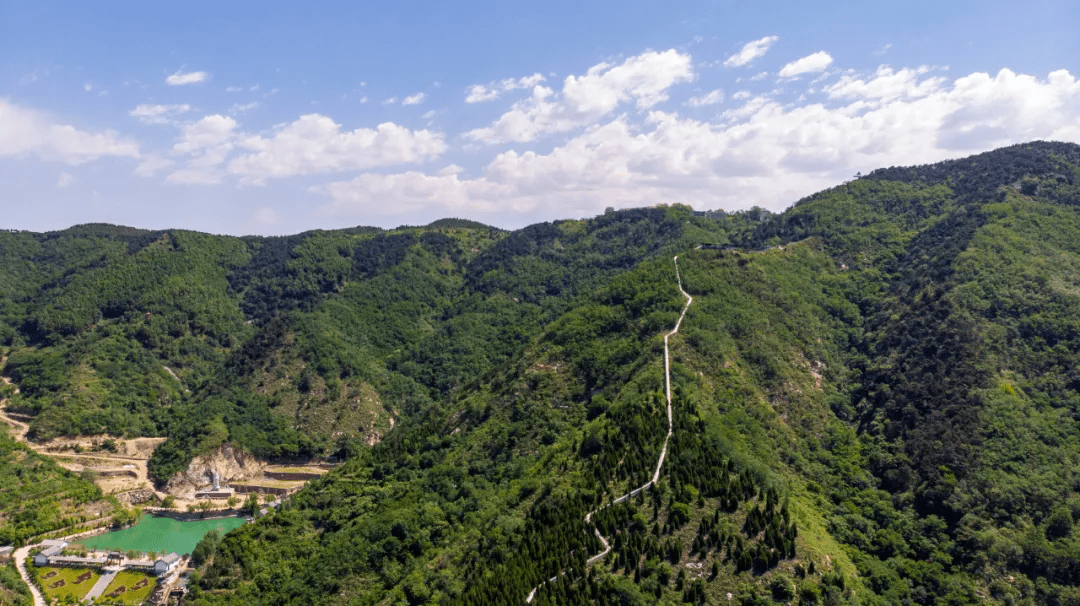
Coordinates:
166 563
50 549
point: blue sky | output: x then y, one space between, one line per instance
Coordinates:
272 118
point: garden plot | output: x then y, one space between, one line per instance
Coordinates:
59 583
129 588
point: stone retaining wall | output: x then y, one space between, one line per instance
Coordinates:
241 489
212 494
112 472
292 476
184 516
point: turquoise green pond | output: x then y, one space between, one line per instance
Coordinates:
152 533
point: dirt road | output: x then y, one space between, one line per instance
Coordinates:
21 428
56 449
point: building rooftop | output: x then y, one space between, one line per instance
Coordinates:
77 560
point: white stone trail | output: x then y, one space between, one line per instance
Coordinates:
20 556
663 451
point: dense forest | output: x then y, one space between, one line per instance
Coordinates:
875 394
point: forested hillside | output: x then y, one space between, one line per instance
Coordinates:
290 347
875 394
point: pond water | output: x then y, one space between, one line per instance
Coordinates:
152 533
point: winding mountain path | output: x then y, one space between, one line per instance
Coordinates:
21 428
20 556
136 464
663 451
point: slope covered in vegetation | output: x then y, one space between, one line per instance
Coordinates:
289 347
37 496
875 394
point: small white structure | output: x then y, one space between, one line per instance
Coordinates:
166 563
50 549
6 553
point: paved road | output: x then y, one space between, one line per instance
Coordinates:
20 564
101 585
663 451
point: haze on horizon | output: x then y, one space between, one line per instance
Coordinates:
278 118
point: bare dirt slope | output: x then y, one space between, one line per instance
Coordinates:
230 463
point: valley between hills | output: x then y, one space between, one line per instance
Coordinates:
870 398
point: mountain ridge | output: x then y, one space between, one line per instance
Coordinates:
874 393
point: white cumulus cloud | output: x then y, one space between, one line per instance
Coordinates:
240 108
810 64
25 132
416 99
644 79
710 98
158 114
209 132
214 148
208 143
886 84
479 93
152 164
751 51
180 79
763 153
316 144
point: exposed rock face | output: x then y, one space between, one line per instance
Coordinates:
136 497
230 463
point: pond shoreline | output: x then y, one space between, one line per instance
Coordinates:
185 516
178 532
